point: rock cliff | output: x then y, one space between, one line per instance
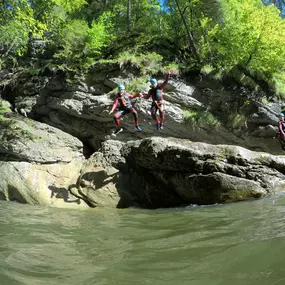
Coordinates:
45 149
158 172
38 163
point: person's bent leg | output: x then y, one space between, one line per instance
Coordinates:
136 118
162 116
117 117
153 112
135 114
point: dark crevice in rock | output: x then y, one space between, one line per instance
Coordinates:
13 157
2 196
10 157
14 195
88 150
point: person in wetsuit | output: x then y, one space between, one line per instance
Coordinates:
125 107
156 94
281 126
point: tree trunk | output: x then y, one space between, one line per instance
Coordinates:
129 15
189 35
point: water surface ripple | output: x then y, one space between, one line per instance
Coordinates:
236 244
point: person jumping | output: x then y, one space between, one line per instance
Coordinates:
125 107
156 95
281 126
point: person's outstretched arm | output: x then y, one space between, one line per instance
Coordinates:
115 104
165 81
146 95
138 94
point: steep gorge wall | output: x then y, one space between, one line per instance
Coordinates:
80 107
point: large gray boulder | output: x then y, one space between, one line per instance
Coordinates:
158 172
38 163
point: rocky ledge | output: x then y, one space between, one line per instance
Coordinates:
157 172
45 151
197 107
38 163
43 165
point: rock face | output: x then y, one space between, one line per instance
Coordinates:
190 161
99 183
42 165
81 108
38 163
157 172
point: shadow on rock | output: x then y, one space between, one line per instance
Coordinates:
101 187
62 193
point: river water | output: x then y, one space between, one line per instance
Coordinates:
235 244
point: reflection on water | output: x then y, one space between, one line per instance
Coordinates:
233 244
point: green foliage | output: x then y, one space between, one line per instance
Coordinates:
226 33
238 120
72 38
70 5
4 107
250 35
137 84
14 36
14 33
2 63
10 130
17 26
27 134
34 70
8 126
198 119
207 69
173 68
100 34
148 63
145 16
278 84
81 43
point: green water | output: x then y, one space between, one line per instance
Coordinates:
235 244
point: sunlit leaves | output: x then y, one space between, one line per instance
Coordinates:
15 32
251 34
100 34
225 32
69 6
80 42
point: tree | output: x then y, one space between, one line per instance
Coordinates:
190 37
251 35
